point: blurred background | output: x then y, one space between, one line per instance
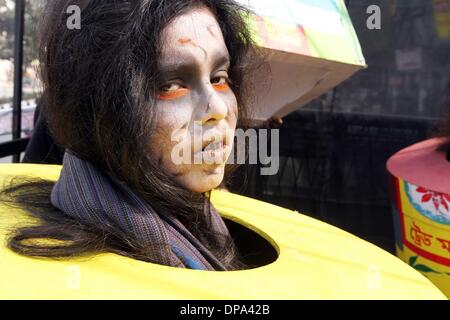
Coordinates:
333 151
19 20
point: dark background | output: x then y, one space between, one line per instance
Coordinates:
334 150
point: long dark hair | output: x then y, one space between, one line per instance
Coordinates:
98 87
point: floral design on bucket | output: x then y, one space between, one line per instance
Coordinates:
421 267
431 204
437 198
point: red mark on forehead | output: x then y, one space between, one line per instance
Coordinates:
184 40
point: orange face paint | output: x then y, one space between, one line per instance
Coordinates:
221 86
184 40
172 95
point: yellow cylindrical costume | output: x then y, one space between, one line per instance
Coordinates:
315 261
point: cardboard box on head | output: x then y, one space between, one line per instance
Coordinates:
310 47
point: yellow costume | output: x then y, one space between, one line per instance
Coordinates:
315 261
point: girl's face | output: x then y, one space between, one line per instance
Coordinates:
196 109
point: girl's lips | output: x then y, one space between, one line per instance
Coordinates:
215 153
214 140
214 146
214 150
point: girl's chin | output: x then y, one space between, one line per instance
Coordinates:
203 180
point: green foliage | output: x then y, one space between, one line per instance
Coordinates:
412 260
7 29
421 267
424 268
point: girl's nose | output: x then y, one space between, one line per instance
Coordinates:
215 110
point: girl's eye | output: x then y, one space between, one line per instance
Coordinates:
172 91
220 80
221 83
171 87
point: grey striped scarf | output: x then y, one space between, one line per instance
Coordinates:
86 193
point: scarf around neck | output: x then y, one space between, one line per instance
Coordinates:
85 193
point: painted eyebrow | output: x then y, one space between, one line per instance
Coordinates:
191 67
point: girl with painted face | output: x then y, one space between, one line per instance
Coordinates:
136 81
